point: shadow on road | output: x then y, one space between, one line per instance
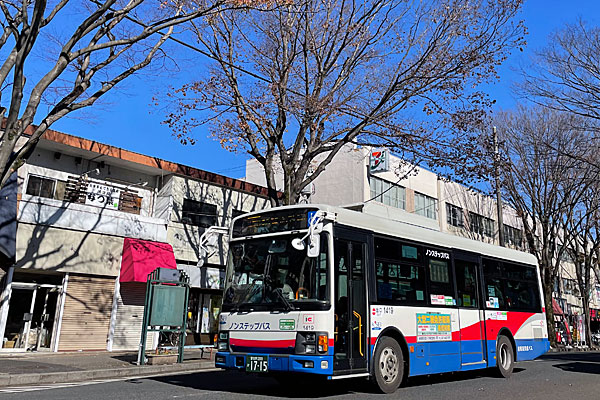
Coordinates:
573 356
303 386
455 377
583 367
235 382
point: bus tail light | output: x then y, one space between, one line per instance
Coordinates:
223 342
323 343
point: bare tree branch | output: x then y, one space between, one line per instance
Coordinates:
304 79
112 41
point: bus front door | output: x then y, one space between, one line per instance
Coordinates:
351 323
472 346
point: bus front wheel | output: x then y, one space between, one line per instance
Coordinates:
505 360
388 365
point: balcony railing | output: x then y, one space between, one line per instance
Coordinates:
90 218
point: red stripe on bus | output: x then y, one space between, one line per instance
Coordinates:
513 322
262 343
472 332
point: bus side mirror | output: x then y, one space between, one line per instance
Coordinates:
314 246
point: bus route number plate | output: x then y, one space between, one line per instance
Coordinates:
257 363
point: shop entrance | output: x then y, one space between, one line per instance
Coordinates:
203 317
31 320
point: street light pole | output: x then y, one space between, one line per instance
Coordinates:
498 194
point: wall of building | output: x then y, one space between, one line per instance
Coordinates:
43 163
82 217
343 180
47 248
185 237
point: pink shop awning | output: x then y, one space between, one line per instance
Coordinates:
141 257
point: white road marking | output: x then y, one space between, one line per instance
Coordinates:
24 389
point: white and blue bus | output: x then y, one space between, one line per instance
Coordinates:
343 293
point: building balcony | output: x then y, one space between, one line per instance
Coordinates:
90 218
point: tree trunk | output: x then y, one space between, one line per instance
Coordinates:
271 181
547 283
586 320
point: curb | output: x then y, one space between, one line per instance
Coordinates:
88 375
570 350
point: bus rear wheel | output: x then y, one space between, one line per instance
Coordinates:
505 360
388 365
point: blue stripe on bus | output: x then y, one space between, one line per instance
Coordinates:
428 358
292 363
528 349
437 357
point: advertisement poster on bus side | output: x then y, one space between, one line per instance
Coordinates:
433 327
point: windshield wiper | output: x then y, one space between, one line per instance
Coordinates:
245 305
248 293
287 305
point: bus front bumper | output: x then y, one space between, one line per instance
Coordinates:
322 365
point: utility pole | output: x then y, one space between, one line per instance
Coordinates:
498 194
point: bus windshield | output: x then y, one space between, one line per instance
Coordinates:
269 274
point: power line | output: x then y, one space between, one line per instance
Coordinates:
240 69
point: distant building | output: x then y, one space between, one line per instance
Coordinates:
356 176
82 226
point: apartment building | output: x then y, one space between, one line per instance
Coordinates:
82 226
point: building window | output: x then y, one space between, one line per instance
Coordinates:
454 215
566 256
42 187
425 206
481 225
570 286
198 213
388 193
513 236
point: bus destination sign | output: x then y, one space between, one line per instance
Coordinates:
272 222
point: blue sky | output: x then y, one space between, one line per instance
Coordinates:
127 119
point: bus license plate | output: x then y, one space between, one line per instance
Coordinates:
257 363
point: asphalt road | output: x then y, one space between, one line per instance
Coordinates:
560 376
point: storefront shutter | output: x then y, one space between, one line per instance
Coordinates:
130 315
86 315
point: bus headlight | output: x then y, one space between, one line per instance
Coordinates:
311 342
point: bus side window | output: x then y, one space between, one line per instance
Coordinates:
400 275
441 287
493 291
466 283
521 288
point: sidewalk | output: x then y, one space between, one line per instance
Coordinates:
562 348
19 369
